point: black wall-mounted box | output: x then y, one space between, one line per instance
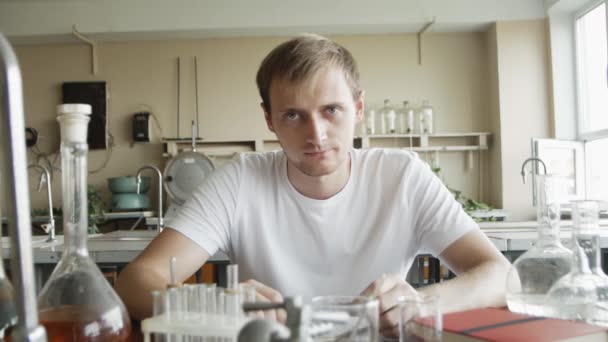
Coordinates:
141 127
95 94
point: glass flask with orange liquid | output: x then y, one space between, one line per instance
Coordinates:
77 303
8 311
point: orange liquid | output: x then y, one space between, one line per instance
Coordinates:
71 323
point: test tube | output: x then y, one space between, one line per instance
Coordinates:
158 308
173 270
233 301
158 303
174 303
202 297
211 300
192 298
221 301
232 275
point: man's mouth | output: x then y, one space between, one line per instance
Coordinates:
317 153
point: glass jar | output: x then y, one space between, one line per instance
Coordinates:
77 302
388 115
582 294
535 271
426 120
405 119
370 122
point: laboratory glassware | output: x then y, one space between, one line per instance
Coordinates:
77 303
535 271
582 294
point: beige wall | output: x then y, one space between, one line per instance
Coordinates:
458 76
524 105
144 72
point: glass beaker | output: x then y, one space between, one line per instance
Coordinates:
77 302
535 271
420 318
345 318
582 294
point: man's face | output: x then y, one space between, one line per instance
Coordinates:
315 120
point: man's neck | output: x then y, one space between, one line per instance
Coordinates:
321 187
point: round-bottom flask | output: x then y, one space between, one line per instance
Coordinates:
77 303
534 272
582 294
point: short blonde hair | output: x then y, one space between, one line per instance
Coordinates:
300 58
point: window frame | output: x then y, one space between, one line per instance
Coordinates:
580 114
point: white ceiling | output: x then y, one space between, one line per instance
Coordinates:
51 20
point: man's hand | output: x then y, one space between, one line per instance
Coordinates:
266 294
387 289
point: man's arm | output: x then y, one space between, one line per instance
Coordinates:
150 270
481 270
482 273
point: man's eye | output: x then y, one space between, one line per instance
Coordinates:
292 116
332 110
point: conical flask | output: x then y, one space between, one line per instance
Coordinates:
77 303
582 294
535 271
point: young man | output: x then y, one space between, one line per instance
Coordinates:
320 217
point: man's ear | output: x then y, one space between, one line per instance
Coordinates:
360 107
267 117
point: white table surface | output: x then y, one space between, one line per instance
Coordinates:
124 246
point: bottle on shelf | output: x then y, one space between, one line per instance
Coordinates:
426 122
405 119
387 118
77 302
370 122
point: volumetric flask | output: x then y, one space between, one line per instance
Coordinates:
77 303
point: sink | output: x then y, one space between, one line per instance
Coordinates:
38 241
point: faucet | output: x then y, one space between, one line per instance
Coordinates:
28 327
159 224
50 227
538 160
523 175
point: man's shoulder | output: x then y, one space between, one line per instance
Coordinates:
258 161
387 157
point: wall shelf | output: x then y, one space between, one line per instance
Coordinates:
439 142
218 147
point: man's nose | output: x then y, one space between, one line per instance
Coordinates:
317 130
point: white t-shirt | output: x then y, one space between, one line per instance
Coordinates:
392 208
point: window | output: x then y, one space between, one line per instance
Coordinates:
592 69
592 96
597 169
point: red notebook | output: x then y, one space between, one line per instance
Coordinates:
501 325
